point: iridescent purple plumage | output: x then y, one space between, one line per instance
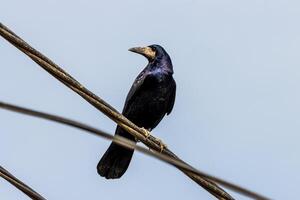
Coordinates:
150 98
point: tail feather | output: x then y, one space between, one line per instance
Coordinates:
114 162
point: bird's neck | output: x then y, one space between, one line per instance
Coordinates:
163 65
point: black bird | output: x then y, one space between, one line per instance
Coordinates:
151 96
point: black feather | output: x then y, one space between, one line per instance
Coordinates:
150 98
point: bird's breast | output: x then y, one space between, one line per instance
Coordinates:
150 104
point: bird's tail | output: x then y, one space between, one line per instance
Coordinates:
114 162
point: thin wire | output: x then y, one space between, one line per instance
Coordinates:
20 185
141 134
126 143
108 110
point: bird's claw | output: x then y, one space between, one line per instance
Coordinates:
146 132
161 144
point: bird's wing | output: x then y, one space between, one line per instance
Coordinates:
172 97
135 88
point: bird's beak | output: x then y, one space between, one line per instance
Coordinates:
145 51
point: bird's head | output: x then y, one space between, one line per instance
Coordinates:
152 52
158 58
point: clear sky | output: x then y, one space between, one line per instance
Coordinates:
237 107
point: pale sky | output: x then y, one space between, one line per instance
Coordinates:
236 113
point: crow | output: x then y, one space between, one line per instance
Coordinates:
150 98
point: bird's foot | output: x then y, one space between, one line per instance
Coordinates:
161 144
146 132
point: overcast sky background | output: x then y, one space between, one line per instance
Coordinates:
237 107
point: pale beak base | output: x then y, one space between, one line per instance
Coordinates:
145 51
